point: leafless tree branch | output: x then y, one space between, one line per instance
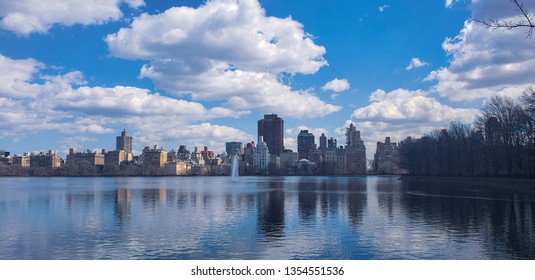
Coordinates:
527 20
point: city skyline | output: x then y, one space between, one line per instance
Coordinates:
124 141
248 159
171 77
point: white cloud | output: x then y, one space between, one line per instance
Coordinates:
485 61
27 16
237 33
63 104
196 135
290 143
336 85
448 3
383 8
135 3
16 77
245 90
410 106
415 63
225 50
402 113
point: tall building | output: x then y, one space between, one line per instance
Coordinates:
155 157
271 128
261 157
124 142
183 153
323 143
288 159
353 136
234 147
355 152
332 143
206 154
305 143
248 153
116 157
386 159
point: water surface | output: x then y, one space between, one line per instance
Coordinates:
262 218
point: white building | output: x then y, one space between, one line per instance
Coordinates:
261 157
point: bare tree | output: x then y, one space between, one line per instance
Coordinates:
526 20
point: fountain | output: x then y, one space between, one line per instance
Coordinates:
234 167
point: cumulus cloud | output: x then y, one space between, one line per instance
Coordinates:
410 106
485 62
27 16
197 135
225 50
64 104
236 32
290 143
449 3
416 63
401 113
336 85
16 77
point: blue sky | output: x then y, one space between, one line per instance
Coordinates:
75 73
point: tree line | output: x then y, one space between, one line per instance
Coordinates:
499 143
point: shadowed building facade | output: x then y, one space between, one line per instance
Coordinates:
271 128
355 152
124 142
305 143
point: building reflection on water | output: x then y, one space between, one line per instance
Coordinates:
283 217
123 202
270 211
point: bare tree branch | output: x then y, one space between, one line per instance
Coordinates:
527 20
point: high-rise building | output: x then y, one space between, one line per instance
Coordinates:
261 157
355 152
248 153
183 153
323 143
305 143
332 143
124 142
115 157
271 128
234 147
353 136
288 159
387 159
156 156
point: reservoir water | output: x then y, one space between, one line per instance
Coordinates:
262 218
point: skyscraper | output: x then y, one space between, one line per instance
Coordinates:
124 142
234 147
261 157
305 143
271 128
355 152
323 143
